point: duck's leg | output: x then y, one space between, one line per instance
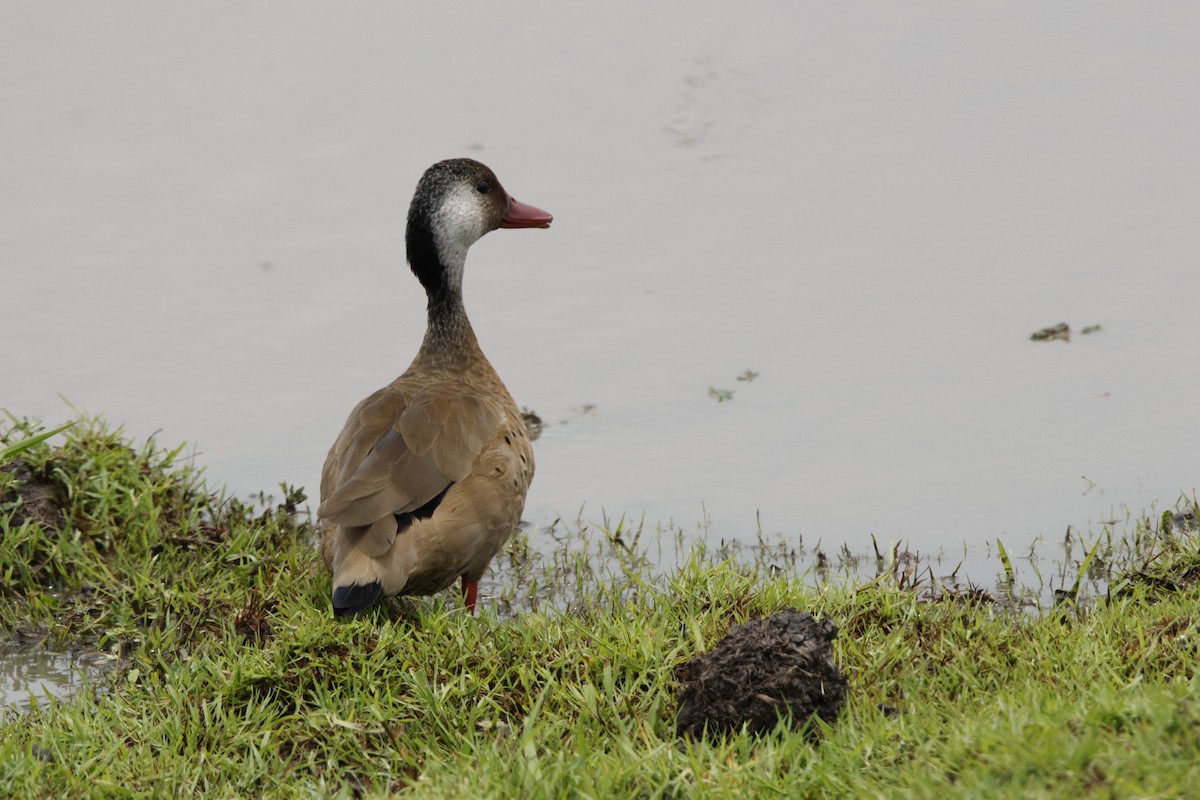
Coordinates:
470 591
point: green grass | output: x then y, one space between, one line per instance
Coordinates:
235 680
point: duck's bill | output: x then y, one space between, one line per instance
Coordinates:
523 215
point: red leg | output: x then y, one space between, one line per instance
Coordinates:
470 592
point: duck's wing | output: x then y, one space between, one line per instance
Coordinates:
398 452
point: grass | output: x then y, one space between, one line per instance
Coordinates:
235 680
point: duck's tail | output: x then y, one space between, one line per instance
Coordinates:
355 556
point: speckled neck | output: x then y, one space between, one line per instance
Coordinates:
449 339
437 239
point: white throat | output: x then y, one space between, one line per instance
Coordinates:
458 224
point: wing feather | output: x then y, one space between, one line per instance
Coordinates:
395 454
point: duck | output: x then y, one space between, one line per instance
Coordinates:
428 477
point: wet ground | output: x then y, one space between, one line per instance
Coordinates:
870 210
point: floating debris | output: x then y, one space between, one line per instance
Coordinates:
1090 329
1060 331
720 395
1183 521
747 376
579 411
533 423
769 669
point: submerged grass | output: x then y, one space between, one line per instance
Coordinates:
235 680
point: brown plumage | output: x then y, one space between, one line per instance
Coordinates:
428 477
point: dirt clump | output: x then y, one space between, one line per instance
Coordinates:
37 499
777 667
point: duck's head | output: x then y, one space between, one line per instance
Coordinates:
456 202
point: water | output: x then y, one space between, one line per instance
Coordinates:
870 206
30 675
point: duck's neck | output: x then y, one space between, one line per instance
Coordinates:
449 342
448 331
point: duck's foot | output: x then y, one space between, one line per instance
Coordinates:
356 598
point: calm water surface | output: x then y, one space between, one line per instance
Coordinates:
30 675
872 207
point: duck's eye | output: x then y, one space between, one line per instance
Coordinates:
484 186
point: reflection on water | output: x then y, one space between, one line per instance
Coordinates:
30 675
869 209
